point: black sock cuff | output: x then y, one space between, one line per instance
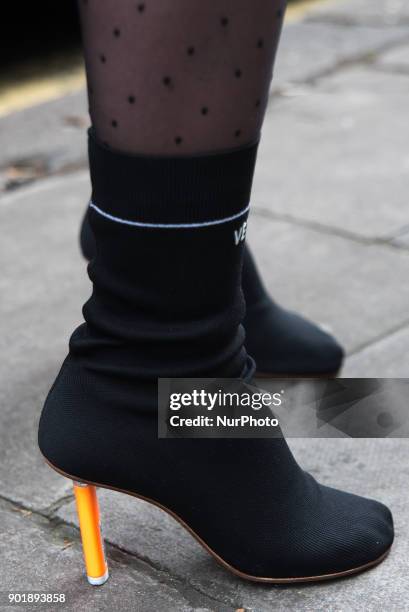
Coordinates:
199 189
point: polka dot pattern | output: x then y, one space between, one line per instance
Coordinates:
252 49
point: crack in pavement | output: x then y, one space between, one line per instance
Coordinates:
65 529
331 230
383 336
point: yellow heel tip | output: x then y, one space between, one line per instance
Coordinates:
98 581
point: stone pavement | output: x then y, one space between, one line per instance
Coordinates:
330 229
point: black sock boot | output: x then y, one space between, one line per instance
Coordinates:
167 301
282 342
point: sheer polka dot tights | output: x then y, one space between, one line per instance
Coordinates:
171 77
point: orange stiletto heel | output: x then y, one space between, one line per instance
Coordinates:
92 542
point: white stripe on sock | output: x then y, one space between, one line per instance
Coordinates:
168 225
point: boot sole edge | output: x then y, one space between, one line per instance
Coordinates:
218 558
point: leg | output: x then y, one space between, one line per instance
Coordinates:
204 86
203 89
169 209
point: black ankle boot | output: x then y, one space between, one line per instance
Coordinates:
282 342
167 302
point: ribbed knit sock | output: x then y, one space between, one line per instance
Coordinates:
167 272
280 341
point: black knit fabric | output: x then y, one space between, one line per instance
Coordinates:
179 189
280 341
168 302
159 293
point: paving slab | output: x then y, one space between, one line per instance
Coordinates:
37 557
337 155
309 49
358 291
387 358
366 467
395 59
43 285
380 12
43 139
